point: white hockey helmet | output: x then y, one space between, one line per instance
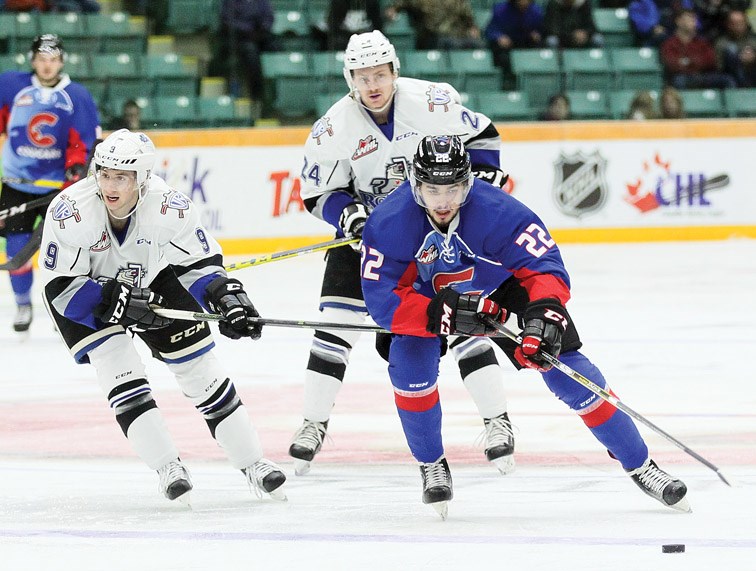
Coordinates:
368 50
128 151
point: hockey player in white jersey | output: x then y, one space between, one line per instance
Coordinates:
117 244
356 154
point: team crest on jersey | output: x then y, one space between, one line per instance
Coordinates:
175 201
65 209
428 255
438 97
102 244
366 146
397 171
24 101
580 185
131 275
322 127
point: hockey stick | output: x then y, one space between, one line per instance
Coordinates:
41 183
291 253
25 253
611 399
198 316
21 208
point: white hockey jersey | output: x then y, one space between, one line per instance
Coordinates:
347 148
79 243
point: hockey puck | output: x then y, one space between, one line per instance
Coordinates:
673 548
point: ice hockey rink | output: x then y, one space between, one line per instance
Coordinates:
670 324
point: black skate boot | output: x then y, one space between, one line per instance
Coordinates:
175 482
306 444
500 443
661 486
437 485
265 477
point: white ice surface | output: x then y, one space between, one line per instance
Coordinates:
671 326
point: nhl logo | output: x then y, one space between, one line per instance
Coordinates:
580 185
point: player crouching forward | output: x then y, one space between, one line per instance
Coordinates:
445 250
117 244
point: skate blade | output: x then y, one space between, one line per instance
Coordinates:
301 467
185 500
279 495
682 506
505 464
442 508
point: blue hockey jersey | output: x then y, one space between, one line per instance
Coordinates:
407 260
48 128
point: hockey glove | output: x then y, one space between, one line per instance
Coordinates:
75 173
491 175
227 297
545 323
352 221
130 307
450 313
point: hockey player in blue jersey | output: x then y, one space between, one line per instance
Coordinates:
445 250
51 125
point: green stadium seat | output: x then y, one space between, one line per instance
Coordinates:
323 102
25 28
475 69
619 101
77 66
292 29
537 73
7 25
12 62
588 104
400 32
469 100
329 67
290 82
740 102
614 24
147 106
116 65
505 106
84 45
218 111
179 111
702 103
190 16
99 91
115 33
587 69
431 65
65 25
637 68
170 75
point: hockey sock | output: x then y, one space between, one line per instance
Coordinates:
238 438
483 379
422 428
21 279
612 427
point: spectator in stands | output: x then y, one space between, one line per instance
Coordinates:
736 49
643 107
347 17
246 31
646 23
569 24
689 59
671 104
130 118
712 14
25 6
86 6
440 24
557 109
515 24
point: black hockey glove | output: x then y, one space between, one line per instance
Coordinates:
130 307
491 175
450 313
545 323
352 221
227 297
75 173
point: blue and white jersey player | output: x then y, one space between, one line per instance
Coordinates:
357 154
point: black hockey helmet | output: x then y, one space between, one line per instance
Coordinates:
47 44
441 160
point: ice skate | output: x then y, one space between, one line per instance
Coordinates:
661 486
23 318
175 482
265 477
437 485
306 444
499 439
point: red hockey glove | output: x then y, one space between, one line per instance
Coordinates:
450 313
545 323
